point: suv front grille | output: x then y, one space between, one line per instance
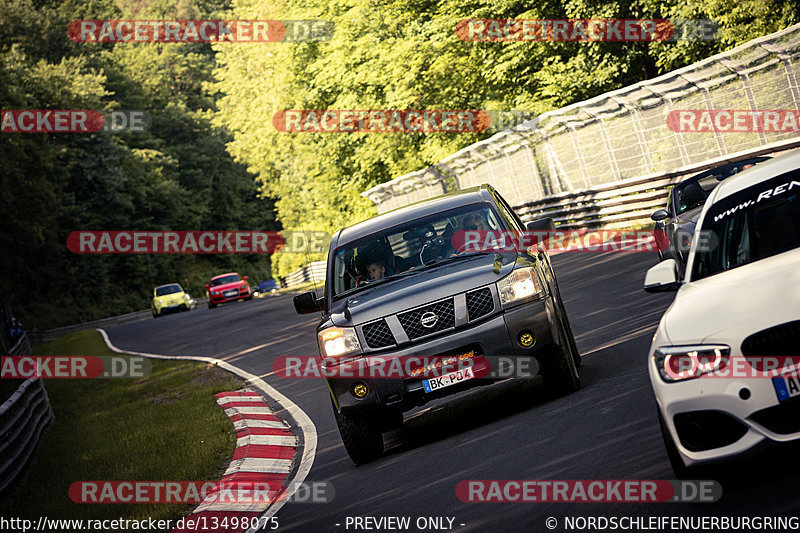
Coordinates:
412 320
377 334
479 303
779 340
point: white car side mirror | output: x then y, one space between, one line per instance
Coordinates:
663 277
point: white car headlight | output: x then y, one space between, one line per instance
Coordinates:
679 363
336 342
521 284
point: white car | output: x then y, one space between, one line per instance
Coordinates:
739 302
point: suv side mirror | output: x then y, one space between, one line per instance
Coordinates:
206 286
663 277
307 302
659 214
541 224
245 278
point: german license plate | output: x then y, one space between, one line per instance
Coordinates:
786 386
447 380
228 294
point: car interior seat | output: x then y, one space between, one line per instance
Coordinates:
691 195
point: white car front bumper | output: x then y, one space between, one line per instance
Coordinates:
750 403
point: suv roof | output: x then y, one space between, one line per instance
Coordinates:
479 193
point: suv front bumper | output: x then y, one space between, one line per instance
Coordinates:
491 339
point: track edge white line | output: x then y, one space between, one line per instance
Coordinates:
304 423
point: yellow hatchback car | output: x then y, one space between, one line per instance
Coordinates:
170 298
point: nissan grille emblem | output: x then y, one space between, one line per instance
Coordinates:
428 319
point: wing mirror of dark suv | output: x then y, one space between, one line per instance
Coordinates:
541 224
307 302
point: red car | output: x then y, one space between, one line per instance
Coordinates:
227 288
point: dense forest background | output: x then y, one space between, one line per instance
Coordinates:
212 159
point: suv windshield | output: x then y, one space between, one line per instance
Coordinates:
758 222
168 289
408 247
224 279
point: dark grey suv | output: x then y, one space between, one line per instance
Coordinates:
407 284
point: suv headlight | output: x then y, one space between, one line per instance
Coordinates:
336 342
679 363
521 284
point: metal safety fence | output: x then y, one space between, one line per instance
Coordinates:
581 153
314 271
23 418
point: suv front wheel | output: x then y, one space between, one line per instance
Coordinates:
559 371
362 437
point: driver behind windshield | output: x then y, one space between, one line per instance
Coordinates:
473 222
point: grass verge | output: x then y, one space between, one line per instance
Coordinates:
163 427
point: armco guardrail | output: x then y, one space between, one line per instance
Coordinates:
23 417
22 346
314 271
625 202
53 334
584 150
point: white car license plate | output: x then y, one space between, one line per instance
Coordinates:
452 378
228 294
786 386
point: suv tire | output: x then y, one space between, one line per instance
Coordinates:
559 372
570 336
362 437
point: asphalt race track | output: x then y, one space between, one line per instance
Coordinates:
607 430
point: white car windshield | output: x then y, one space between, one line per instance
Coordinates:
753 224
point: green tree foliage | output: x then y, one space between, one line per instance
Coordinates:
213 160
177 175
405 54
